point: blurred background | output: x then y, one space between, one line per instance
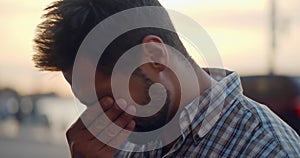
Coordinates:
257 38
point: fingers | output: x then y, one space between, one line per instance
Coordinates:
111 114
109 151
113 134
106 102
95 110
95 132
123 135
113 129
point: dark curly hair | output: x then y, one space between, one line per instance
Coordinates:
67 22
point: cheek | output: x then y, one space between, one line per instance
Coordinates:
138 90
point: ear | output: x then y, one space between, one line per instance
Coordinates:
155 52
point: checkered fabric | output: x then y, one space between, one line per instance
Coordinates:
226 124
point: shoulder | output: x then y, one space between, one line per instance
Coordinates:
271 135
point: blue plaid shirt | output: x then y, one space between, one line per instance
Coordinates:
227 124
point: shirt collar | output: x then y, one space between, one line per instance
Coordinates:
201 118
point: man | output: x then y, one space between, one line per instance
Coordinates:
212 117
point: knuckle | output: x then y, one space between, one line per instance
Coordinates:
110 117
125 117
122 121
105 101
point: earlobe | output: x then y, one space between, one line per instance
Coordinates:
155 52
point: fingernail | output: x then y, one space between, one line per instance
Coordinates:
108 101
132 110
132 124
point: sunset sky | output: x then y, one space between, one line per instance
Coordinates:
240 30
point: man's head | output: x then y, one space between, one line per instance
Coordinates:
66 24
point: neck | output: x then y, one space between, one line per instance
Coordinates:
204 83
187 92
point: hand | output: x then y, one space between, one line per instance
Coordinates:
82 142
